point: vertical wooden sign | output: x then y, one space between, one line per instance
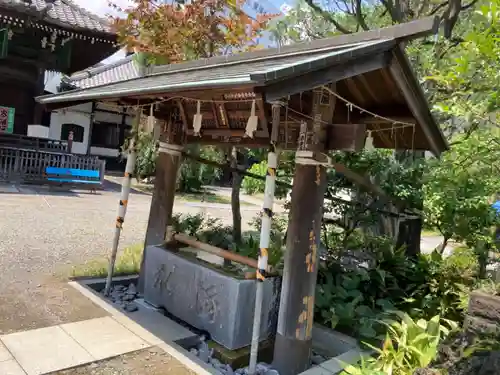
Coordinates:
7 119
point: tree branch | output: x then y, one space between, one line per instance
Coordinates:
360 16
438 7
389 6
328 17
467 6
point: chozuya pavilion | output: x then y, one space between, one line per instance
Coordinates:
340 93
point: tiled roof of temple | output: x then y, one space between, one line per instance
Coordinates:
121 70
61 12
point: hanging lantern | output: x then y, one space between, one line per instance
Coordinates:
197 119
252 123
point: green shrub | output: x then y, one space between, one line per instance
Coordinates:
145 164
252 185
193 175
409 345
462 261
353 300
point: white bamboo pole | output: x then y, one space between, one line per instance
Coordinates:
265 234
124 196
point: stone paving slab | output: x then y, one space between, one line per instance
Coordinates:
11 367
104 337
45 349
148 324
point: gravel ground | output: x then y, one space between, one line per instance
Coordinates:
152 361
43 233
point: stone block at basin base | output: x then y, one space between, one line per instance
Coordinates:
481 325
484 306
330 343
208 298
240 358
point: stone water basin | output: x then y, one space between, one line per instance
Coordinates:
196 288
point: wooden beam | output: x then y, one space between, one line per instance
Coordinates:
320 77
214 112
262 114
354 90
395 93
220 132
374 96
401 73
225 141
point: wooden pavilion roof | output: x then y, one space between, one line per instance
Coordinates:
370 71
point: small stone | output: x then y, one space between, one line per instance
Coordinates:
194 351
215 362
271 372
128 297
203 346
262 368
132 289
229 370
131 307
204 352
116 295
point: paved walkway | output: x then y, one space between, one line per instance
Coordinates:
59 347
44 350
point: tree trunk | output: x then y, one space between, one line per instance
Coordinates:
443 245
235 198
482 253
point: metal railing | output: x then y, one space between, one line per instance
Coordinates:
33 143
25 165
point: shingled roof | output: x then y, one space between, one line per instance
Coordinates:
63 13
184 75
375 56
121 70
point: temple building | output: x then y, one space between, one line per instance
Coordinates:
37 36
99 129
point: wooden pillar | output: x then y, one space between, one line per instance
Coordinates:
91 128
293 338
121 137
39 89
294 334
162 202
